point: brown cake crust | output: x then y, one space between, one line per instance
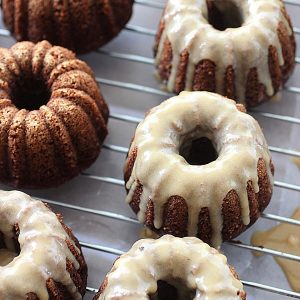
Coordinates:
78 25
175 214
47 146
204 78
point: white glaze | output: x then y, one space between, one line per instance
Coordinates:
43 249
198 266
186 27
163 173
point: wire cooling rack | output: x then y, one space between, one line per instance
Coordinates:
93 203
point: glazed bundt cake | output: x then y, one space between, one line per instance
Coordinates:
171 268
80 25
43 258
199 166
52 115
244 50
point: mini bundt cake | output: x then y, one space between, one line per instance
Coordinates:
244 50
199 165
171 268
80 25
43 258
52 115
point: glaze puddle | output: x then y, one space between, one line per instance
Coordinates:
296 161
284 238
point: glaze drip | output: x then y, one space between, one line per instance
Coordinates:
163 172
43 249
198 266
186 27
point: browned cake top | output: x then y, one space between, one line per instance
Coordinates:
53 116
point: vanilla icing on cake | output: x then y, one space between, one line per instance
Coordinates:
44 250
197 266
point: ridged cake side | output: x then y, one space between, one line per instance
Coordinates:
50 264
79 25
248 73
175 211
47 146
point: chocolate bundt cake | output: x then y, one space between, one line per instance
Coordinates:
244 50
171 268
52 115
80 25
43 259
199 166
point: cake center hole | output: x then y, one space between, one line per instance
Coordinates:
30 94
177 291
224 14
200 151
7 255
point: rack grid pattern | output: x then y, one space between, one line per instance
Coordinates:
139 30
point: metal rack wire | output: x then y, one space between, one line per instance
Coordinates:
139 30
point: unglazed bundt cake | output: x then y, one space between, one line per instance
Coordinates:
171 268
244 50
43 258
80 25
199 166
52 115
